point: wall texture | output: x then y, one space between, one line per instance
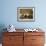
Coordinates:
9 13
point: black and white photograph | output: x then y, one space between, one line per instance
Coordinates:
26 14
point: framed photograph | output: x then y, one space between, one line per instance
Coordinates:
25 14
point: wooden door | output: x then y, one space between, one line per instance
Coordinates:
13 40
33 39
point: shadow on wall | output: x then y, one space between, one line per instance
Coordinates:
2 27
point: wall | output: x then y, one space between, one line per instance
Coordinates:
9 13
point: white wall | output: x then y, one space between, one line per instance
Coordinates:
9 13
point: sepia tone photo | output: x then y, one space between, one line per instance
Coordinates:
25 14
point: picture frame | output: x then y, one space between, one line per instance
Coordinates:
26 14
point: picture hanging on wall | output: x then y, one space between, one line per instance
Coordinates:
25 14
